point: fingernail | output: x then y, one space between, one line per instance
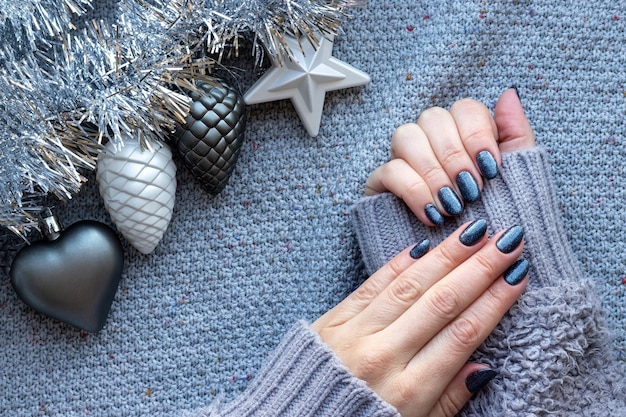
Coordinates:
433 214
479 379
468 186
450 201
474 232
420 249
516 272
514 87
510 239
487 164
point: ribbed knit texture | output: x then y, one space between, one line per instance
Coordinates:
303 378
197 318
552 350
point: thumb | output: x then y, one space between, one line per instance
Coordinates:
514 130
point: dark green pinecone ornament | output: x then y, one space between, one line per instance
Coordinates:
210 140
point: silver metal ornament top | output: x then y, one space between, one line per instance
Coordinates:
49 224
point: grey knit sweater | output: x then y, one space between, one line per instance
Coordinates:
551 350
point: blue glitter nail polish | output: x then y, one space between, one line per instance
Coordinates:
468 186
474 232
433 214
514 87
516 272
450 201
510 239
479 379
420 249
487 164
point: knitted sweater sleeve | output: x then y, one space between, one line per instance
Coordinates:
302 378
552 349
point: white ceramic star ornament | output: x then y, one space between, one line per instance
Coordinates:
305 79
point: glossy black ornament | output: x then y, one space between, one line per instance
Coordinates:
73 275
211 138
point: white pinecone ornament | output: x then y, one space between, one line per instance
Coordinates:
138 187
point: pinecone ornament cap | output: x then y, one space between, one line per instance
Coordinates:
138 187
210 140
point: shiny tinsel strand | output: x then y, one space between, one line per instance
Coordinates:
30 20
267 21
61 103
66 90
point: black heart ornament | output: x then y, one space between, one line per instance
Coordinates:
73 275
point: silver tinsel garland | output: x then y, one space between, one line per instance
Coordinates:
30 20
67 89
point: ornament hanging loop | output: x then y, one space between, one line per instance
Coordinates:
49 224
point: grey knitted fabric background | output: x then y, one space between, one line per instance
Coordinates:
194 320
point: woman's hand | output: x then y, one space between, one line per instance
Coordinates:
439 163
410 328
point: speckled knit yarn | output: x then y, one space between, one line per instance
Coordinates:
552 351
197 319
303 378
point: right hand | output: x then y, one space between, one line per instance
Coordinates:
409 330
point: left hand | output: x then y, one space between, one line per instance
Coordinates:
443 150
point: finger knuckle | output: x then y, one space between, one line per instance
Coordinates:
464 104
405 393
389 169
484 265
406 290
365 293
432 113
478 136
372 365
412 189
465 333
499 296
403 134
395 266
445 302
451 154
446 256
449 404
431 172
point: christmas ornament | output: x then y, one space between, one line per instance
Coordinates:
73 275
97 83
305 80
210 140
138 187
75 74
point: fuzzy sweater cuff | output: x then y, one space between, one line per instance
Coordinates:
551 350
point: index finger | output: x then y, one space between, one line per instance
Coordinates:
360 298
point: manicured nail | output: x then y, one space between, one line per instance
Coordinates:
514 87
474 232
468 186
479 379
420 249
510 239
433 214
516 272
450 201
487 164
